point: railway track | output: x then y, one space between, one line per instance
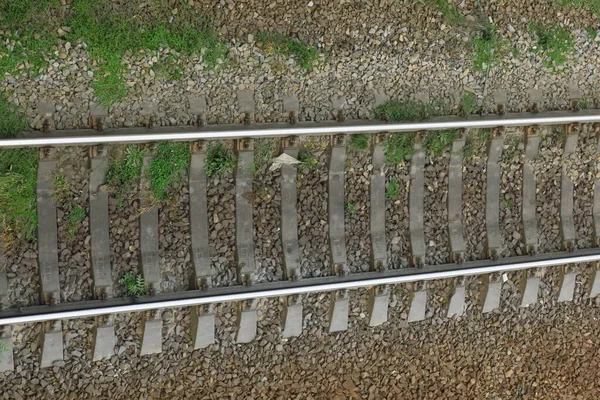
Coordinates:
504 207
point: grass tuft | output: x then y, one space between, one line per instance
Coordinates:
219 159
489 48
125 171
468 103
358 142
135 284
435 143
168 167
554 42
450 12
307 160
351 208
591 32
18 178
590 5
392 190
13 12
109 35
399 147
408 110
275 43
76 215
474 140
263 153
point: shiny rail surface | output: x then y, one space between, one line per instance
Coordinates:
264 130
286 288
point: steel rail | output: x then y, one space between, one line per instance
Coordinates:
240 293
190 133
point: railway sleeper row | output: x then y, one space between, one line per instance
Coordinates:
203 318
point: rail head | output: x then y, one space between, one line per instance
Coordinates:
83 137
282 289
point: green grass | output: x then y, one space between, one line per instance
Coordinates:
12 121
511 142
31 40
450 12
263 153
436 142
409 110
168 68
307 160
351 208
468 103
399 147
76 215
4 347
124 171
489 49
393 189
168 166
219 159
474 140
591 32
590 5
358 142
554 42
305 55
13 12
18 178
110 34
135 284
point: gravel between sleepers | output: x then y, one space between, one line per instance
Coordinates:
396 218
313 223
435 210
357 213
74 236
474 196
548 168
175 239
221 228
266 207
511 195
581 168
